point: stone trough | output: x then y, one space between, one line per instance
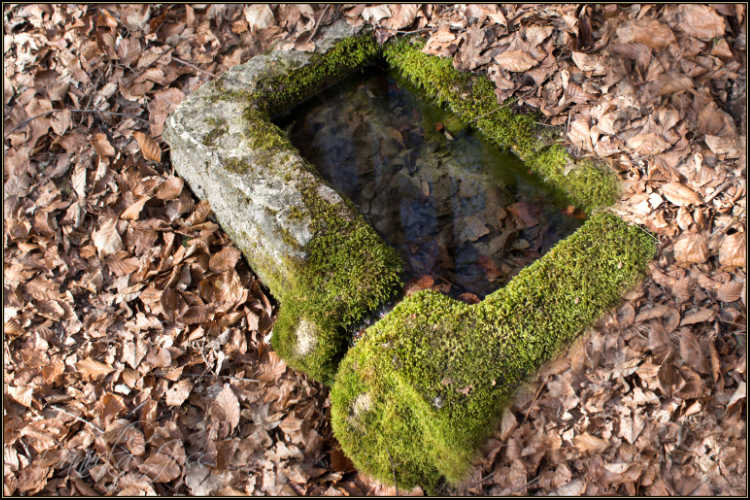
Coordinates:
426 385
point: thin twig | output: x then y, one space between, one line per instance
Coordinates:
395 483
72 111
531 406
148 66
57 408
495 110
222 376
320 20
407 32
435 275
194 67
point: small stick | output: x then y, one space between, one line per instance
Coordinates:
78 418
531 406
149 65
320 19
194 67
395 483
408 32
494 110
221 376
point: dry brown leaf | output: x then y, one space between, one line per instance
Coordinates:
515 60
699 317
22 394
170 189
107 240
149 147
224 260
402 15
160 468
133 212
659 344
691 352
508 425
730 291
691 247
227 287
93 369
179 392
648 144
374 14
586 443
79 180
701 21
586 62
649 32
112 407
442 44
733 250
669 83
258 16
681 195
226 408
102 146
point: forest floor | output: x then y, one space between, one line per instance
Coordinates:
135 337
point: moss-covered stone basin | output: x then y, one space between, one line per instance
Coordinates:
425 386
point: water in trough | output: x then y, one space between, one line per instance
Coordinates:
465 215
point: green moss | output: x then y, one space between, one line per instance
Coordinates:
281 91
219 128
295 213
236 165
473 99
350 272
427 383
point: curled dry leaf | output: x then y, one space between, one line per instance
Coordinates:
402 17
733 250
258 16
681 195
375 13
586 62
107 240
102 146
179 392
149 148
515 60
134 210
170 189
691 247
442 44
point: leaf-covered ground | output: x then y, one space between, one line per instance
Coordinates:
135 336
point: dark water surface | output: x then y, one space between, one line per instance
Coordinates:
460 210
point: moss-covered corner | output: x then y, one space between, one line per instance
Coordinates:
426 384
350 269
472 97
350 272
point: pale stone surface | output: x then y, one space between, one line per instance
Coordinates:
255 206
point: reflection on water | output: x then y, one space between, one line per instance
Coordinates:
462 212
